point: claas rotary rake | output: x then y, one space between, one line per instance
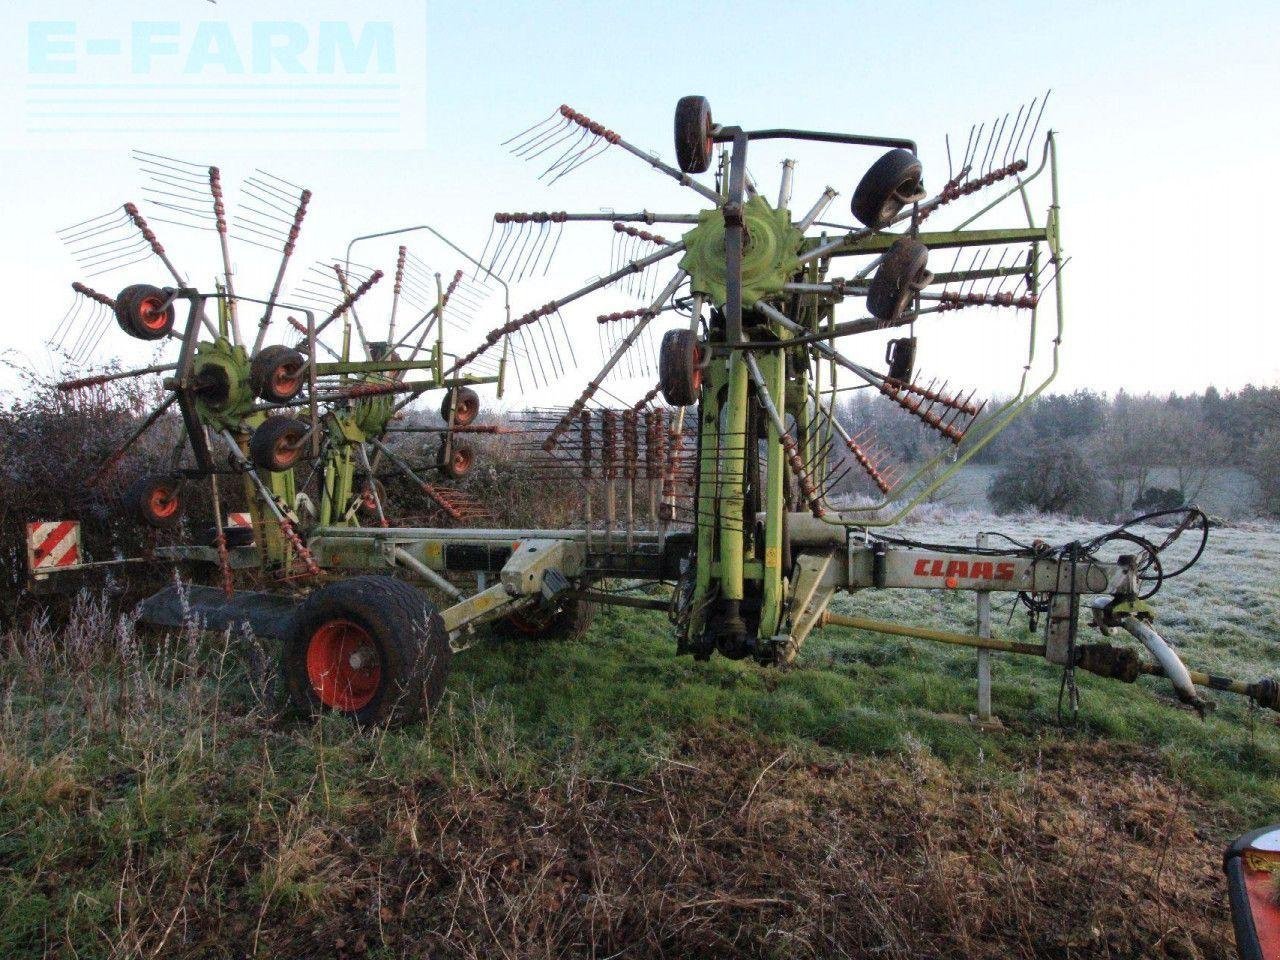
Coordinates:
716 488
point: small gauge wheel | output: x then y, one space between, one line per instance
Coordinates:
144 312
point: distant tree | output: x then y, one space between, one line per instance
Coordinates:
1265 467
1051 476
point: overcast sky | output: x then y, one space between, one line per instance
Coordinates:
1165 113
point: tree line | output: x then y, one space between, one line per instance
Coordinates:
1092 454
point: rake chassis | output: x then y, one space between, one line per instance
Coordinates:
754 555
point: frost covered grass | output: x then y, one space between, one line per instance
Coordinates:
603 793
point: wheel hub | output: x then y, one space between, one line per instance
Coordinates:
770 253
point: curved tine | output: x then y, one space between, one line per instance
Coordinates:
120 266
1011 147
68 319
587 154
1022 131
528 232
557 135
113 213
72 239
572 147
975 141
517 360
91 332
539 236
999 140
554 115
553 354
982 265
568 341
999 265
503 247
547 231
946 141
493 224
1036 127
75 326
554 247
531 358
504 237
991 136
516 244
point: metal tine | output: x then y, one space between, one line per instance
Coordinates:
511 246
539 132
493 225
544 236
1010 147
68 321
517 251
1036 127
584 136
585 156
548 141
536 233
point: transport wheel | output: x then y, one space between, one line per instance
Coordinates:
277 443
371 648
693 134
468 402
902 274
680 368
141 312
455 460
889 184
155 501
569 620
276 373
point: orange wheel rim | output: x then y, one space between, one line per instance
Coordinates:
461 461
695 375
285 379
152 315
344 665
162 503
286 452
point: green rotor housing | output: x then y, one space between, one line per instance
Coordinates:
770 253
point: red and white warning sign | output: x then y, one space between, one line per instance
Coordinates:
53 545
239 520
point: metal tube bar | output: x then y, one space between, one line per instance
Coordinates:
928 633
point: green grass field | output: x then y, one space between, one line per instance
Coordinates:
152 802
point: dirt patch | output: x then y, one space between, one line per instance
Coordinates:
736 849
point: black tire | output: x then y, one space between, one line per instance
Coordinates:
567 621
155 501
468 409
694 146
680 368
901 275
381 618
455 459
277 443
139 312
892 182
277 373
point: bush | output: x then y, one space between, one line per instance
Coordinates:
1049 477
